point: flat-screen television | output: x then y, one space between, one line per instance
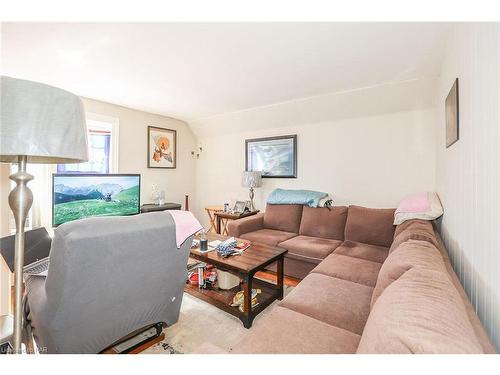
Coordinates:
77 196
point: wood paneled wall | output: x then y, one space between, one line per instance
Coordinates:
468 172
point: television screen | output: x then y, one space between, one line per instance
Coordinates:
76 196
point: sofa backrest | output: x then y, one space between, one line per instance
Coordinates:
418 305
323 222
372 226
421 230
420 312
410 254
284 217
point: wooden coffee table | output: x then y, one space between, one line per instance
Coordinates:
255 258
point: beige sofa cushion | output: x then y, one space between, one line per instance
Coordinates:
269 237
408 255
357 270
337 302
284 217
363 251
284 331
421 312
323 222
370 225
309 249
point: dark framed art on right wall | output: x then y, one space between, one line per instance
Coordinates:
452 115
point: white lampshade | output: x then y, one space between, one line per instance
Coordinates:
251 179
44 123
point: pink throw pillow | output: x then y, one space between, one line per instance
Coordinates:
424 206
415 203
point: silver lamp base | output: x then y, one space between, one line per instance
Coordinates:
20 201
251 195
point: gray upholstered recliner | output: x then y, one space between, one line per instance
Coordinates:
108 277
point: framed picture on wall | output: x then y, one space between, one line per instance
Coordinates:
275 157
162 147
451 105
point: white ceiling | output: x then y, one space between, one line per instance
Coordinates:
192 71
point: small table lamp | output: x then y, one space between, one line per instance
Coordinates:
39 124
251 180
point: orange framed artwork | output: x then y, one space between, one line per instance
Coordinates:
162 147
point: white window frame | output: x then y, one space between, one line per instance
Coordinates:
115 138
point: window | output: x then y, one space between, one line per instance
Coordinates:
103 158
101 132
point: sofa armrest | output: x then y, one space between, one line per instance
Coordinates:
247 224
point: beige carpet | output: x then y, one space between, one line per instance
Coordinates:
201 323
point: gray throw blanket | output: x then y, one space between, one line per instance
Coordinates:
306 197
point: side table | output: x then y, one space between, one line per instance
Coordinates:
224 217
211 210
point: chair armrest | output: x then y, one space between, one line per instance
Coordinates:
247 224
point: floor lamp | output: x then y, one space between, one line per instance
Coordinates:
38 124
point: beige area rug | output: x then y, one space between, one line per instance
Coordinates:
201 323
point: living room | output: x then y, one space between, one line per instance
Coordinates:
250 187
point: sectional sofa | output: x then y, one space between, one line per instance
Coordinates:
368 286
311 234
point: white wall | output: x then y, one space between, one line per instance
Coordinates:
363 102
133 151
468 173
372 160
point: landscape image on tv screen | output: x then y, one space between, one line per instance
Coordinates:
80 196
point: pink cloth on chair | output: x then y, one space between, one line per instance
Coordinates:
185 225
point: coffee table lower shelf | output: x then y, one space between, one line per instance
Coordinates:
222 299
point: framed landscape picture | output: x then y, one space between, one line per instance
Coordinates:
275 157
162 147
451 105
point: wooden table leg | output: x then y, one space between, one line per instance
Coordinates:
224 230
218 224
211 216
280 276
247 317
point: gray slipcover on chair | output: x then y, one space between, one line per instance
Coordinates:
108 277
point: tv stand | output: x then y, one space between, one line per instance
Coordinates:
155 207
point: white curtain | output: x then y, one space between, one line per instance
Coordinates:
41 211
